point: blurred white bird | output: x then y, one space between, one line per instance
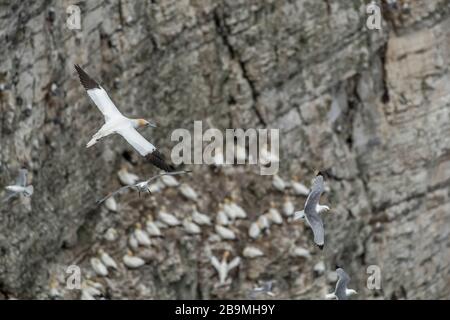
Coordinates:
288 207
225 233
127 178
132 242
223 267
200 218
299 188
99 268
19 187
168 218
274 215
190 227
132 261
169 181
254 231
300 252
141 236
151 228
222 218
278 183
107 260
252 252
111 204
111 234
233 210
188 192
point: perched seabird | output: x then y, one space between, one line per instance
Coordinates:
107 260
278 183
311 212
115 122
141 236
132 261
341 292
127 178
167 218
142 186
288 207
90 290
111 204
254 231
111 234
252 252
233 210
19 187
132 242
225 233
223 267
169 181
222 218
263 222
188 192
99 268
156 187
200 218
274 215
190 227
300 252
151 228
299 188
266 288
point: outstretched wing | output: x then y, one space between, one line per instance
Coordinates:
145 148
314 196
234 263
341 285
22 178
120 190
215 263
9 195
316 225
98 95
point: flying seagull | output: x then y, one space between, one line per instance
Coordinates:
266 288
19 187
142 186
312 210
341 292
115 122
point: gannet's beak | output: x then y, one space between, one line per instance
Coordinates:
151 124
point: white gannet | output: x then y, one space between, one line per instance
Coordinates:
19 187
111 234
341 292
169 181
107 260
127 178
300 252
142 186
190 227
319 267
299 188
151 227
274 215
222 218
115 122
167 218
252 252
311 212
156 187
263 222
278 183
99 268
233 210
223 267
254 230
111 204
288 207
188 192
90 290
141 236
200 218
132 242
225 233
132 261
265 288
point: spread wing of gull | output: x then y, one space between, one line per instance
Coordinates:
135 186
311 214
22 178
98 95
9 195
341 285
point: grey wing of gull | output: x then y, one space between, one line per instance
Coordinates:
114 193
314 196
9 195
341 285
316 225
267 286
171 173
22 178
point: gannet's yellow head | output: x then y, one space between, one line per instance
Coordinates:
226 254
142 123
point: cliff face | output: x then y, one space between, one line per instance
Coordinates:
370 106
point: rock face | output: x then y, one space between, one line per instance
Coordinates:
370 108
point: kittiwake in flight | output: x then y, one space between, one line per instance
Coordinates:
116 122
142 186
312 210
19 187
341 292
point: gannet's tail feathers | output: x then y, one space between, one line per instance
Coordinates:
28 191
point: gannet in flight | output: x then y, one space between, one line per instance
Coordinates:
312 210
223 267
115 122
341 292
142 186
19 187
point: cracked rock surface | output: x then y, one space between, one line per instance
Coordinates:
369 107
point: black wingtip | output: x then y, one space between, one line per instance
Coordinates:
157 159
87 82
320 246
338 267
